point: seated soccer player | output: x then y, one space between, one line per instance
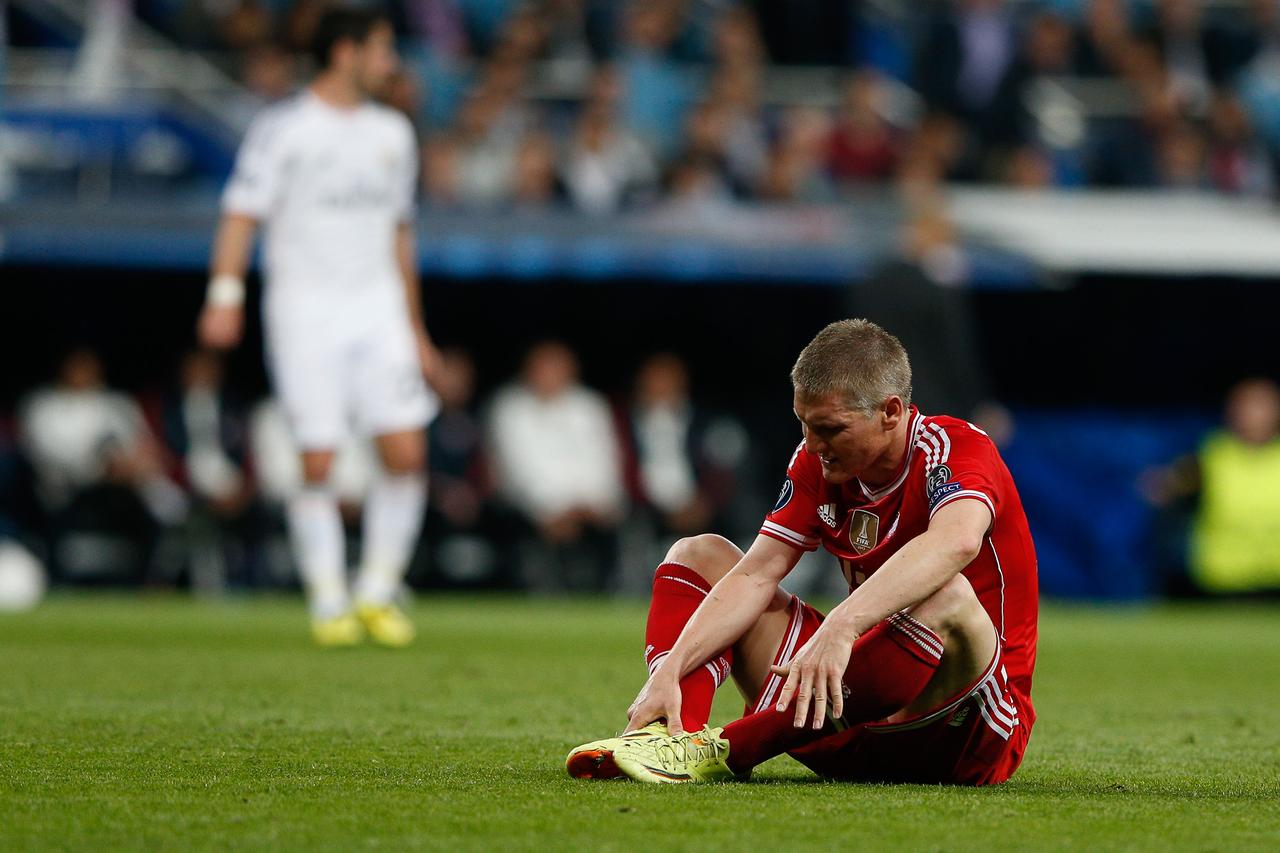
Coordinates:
923 674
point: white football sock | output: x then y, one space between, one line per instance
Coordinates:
315 528
392 518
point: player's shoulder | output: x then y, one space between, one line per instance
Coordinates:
803 463
390 119
276 119
940 435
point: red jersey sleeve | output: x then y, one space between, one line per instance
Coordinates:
961 464
794 519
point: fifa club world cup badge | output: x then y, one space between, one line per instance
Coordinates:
864 531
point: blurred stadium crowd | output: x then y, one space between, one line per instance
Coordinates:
542 489
545 485
601 104
598 106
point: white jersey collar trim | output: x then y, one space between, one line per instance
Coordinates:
917 423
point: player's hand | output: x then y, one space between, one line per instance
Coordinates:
221 326
659 699
816 675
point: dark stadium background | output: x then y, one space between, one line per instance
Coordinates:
1110 370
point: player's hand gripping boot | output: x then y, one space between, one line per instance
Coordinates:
700 756
595 760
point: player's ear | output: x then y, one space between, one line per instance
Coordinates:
892 412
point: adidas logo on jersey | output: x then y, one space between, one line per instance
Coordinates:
827 512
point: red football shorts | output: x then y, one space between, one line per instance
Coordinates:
976 738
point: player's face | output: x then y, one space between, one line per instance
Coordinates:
376 59
848 442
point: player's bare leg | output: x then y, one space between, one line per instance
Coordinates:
315 527
392 520
968 639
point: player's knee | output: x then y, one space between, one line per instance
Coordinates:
405 460
707 554
403 453
953 608
316 466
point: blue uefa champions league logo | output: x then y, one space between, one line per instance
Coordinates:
784 496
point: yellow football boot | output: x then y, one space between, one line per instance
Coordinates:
700 756
337 633
386 624
595 760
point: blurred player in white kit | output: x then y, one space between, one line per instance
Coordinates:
331 177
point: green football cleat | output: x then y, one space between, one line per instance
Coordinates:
700 756
595 760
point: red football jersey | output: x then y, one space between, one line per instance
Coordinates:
947 459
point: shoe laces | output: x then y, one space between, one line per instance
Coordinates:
689 748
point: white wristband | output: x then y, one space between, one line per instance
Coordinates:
225 291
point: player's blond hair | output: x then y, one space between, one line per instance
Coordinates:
855 358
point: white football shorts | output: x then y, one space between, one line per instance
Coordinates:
343 368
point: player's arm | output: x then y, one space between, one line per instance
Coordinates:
922 567
734 604
222 319
407 260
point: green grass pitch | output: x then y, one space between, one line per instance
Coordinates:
162 723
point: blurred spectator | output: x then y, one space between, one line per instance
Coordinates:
933 154
468 534
481 155
681 461
1230 489
99 473
1180 162
440 25
1046 55
605 164
536 184
207 430
696 188
1197 57
100 60
965 56
924 298
797 161
269 74
743 144
557 463
1029 168
459 481
403 93
440 171
661 423
1102 92
247 25
1238 161
1107 36
655 92
862 146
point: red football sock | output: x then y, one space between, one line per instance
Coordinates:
677 592
888 668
